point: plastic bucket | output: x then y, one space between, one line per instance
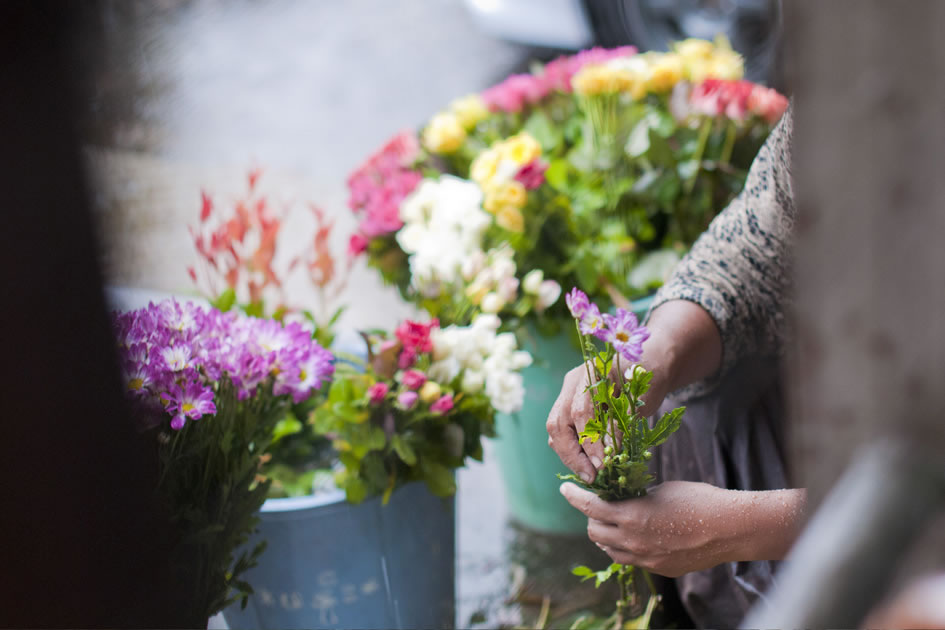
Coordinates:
331 564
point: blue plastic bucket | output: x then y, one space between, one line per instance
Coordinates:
331 564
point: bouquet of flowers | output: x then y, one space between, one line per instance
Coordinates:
597 169
624 472
210 387
420 404
237 246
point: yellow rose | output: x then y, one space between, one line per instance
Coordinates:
511 219
665 72
469 110
592 80
430 392
521 148
511 193
693 49
726 64
484 167
444 134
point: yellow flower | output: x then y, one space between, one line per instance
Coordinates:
444 134
666 70
592 80
510 193
511 219
430 392
693 49
726 64
469 110
484 167
521 148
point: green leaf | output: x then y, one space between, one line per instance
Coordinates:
287 426
225 300
557 175
355 490
584 572
255 309
540 127
666 426
404 450
438 477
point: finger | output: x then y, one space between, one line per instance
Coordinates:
607 534
589 503
621 557
582 410
563 437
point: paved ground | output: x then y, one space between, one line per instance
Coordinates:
194 93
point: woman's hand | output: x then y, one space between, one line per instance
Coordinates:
570 414
683 526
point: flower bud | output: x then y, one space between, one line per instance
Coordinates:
532 281
622 458
492 303
647 456
429 392
622 480
607 460
608 450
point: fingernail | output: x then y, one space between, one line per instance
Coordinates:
596 461
585 477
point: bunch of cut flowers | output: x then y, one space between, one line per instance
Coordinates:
597 169
420 404
616 384
242 264
209 387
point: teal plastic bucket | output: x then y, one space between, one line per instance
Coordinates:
528 465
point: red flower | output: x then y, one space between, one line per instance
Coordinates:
532 175
415 339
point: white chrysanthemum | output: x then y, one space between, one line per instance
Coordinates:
506 391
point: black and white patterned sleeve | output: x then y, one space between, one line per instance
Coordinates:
739 269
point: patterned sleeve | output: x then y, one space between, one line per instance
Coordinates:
739 269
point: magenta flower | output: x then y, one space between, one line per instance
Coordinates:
532 175
442 405
357 245
414 379
377 392
407 399
577 303
592 323
626 334
194 402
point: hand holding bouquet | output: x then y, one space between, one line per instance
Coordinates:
624 473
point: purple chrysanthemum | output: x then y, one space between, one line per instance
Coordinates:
174 356
577 303
626 334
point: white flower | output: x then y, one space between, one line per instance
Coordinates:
444 371
508 288
548 293
492 303
473 381
532 281
506 391
487 321
521 359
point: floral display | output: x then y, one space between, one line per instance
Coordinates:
211 386
420 404
597 169
617 383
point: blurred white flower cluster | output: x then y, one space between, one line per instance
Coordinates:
493 285
485 358
443 226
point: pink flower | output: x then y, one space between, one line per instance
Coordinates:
577 303
532 175
442 405
414 379
357 244
407 399
767 103
718 97
514 92
415 338
377 392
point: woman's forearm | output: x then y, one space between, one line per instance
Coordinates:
764 524
684 346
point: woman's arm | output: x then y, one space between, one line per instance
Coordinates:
683 526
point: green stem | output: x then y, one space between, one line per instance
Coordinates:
700 151
729 145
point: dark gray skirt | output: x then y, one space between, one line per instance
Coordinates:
732 438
